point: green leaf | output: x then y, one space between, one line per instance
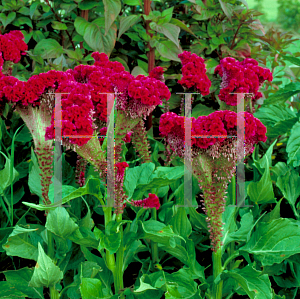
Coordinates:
132 2
283 94
83 236
226 7
38 35
167 49
77 54
5 179
34 180
262 191
181 25
33 8
166 16
68 7
289 185
271 115
7 19
181 224
157 232
87 4
266 160
19 243
127 22
112 9
94 37
60 223
59 26
169 30
279 169
256 285
293 146
48 48
46 273
291 59
197 219
275 241
22 20
9 291
274 214
200 110
19 279
80 25
91 288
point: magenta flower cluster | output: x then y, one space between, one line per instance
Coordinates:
194 73
217 123
12 46
241 77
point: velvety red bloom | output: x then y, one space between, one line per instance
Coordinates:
194 73
150 202
157 73
12 45
241 77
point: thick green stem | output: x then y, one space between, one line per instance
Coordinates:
110 258
231 248
217 269
118 276
54 294
154 246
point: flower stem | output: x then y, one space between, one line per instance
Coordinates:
54 294
217 269
110 258
154 246
118 276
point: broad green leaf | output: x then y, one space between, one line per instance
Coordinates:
5 179
77 54
167 49
166 16
33 8
112 9
19 279
280 169
274 241
179 252
9 291
48 48
21 21
274 214
262 191
265 161
46 273
38 35
127 22
143 286
200 110
157 232
7 19
291 59
283 94
138 71
289 185
87 4
85 237
94 37
59 26
80 25
271 115
60 223
91 288
293 146
256 285
197 219
132 2
169 30
20 243
227 8
181 224
181 25
180 284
